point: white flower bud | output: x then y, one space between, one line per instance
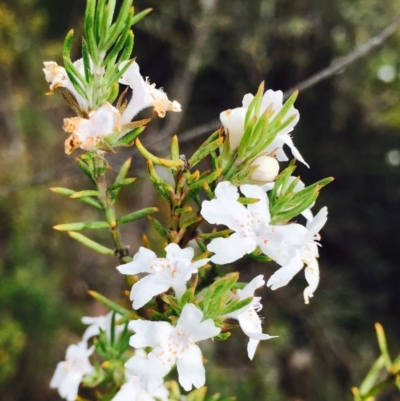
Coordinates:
267 169
233 122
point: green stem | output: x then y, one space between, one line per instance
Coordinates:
176 204
109 210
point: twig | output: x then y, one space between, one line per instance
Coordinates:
343 62
185 78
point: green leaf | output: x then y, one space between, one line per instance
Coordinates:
109 303
197 185
86 62
68 43
118 185
98 20
216 293
89 27
162 187
236 305
191 221
172 302
210 145
76 78
62 191
127 50
113 93
122 20
140 16
82 194
188 296
380 333
174 153
119 45
159 316
129 138
216 234
111 5
223 336
69 192
255 104
172 164
137 215
197 395
158 227
372 375
254 143
89 225
91 244
123 170
85 168
284 110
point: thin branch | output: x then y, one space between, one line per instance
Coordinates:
184 79
341 63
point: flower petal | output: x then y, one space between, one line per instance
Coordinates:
190 368
148 334
148 287
228 250
283 275
141 262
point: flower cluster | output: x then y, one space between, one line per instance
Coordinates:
88 131
180 298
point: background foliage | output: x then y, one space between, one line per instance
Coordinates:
207 54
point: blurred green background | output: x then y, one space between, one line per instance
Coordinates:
207 54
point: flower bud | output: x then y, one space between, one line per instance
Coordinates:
267 169
233 122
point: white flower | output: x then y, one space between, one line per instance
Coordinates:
87 132
173 271
69 373
144 95
57 77
101 323
233 122
267 169
248 318
131 390
171 345
306 253
251 225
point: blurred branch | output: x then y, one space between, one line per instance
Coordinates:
191 69
184 79
343 62
335 67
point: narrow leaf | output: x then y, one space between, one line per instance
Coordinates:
380 333
91 244
89 225
140 16
82 194
109 303
137 215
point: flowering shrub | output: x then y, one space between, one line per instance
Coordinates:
178 299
